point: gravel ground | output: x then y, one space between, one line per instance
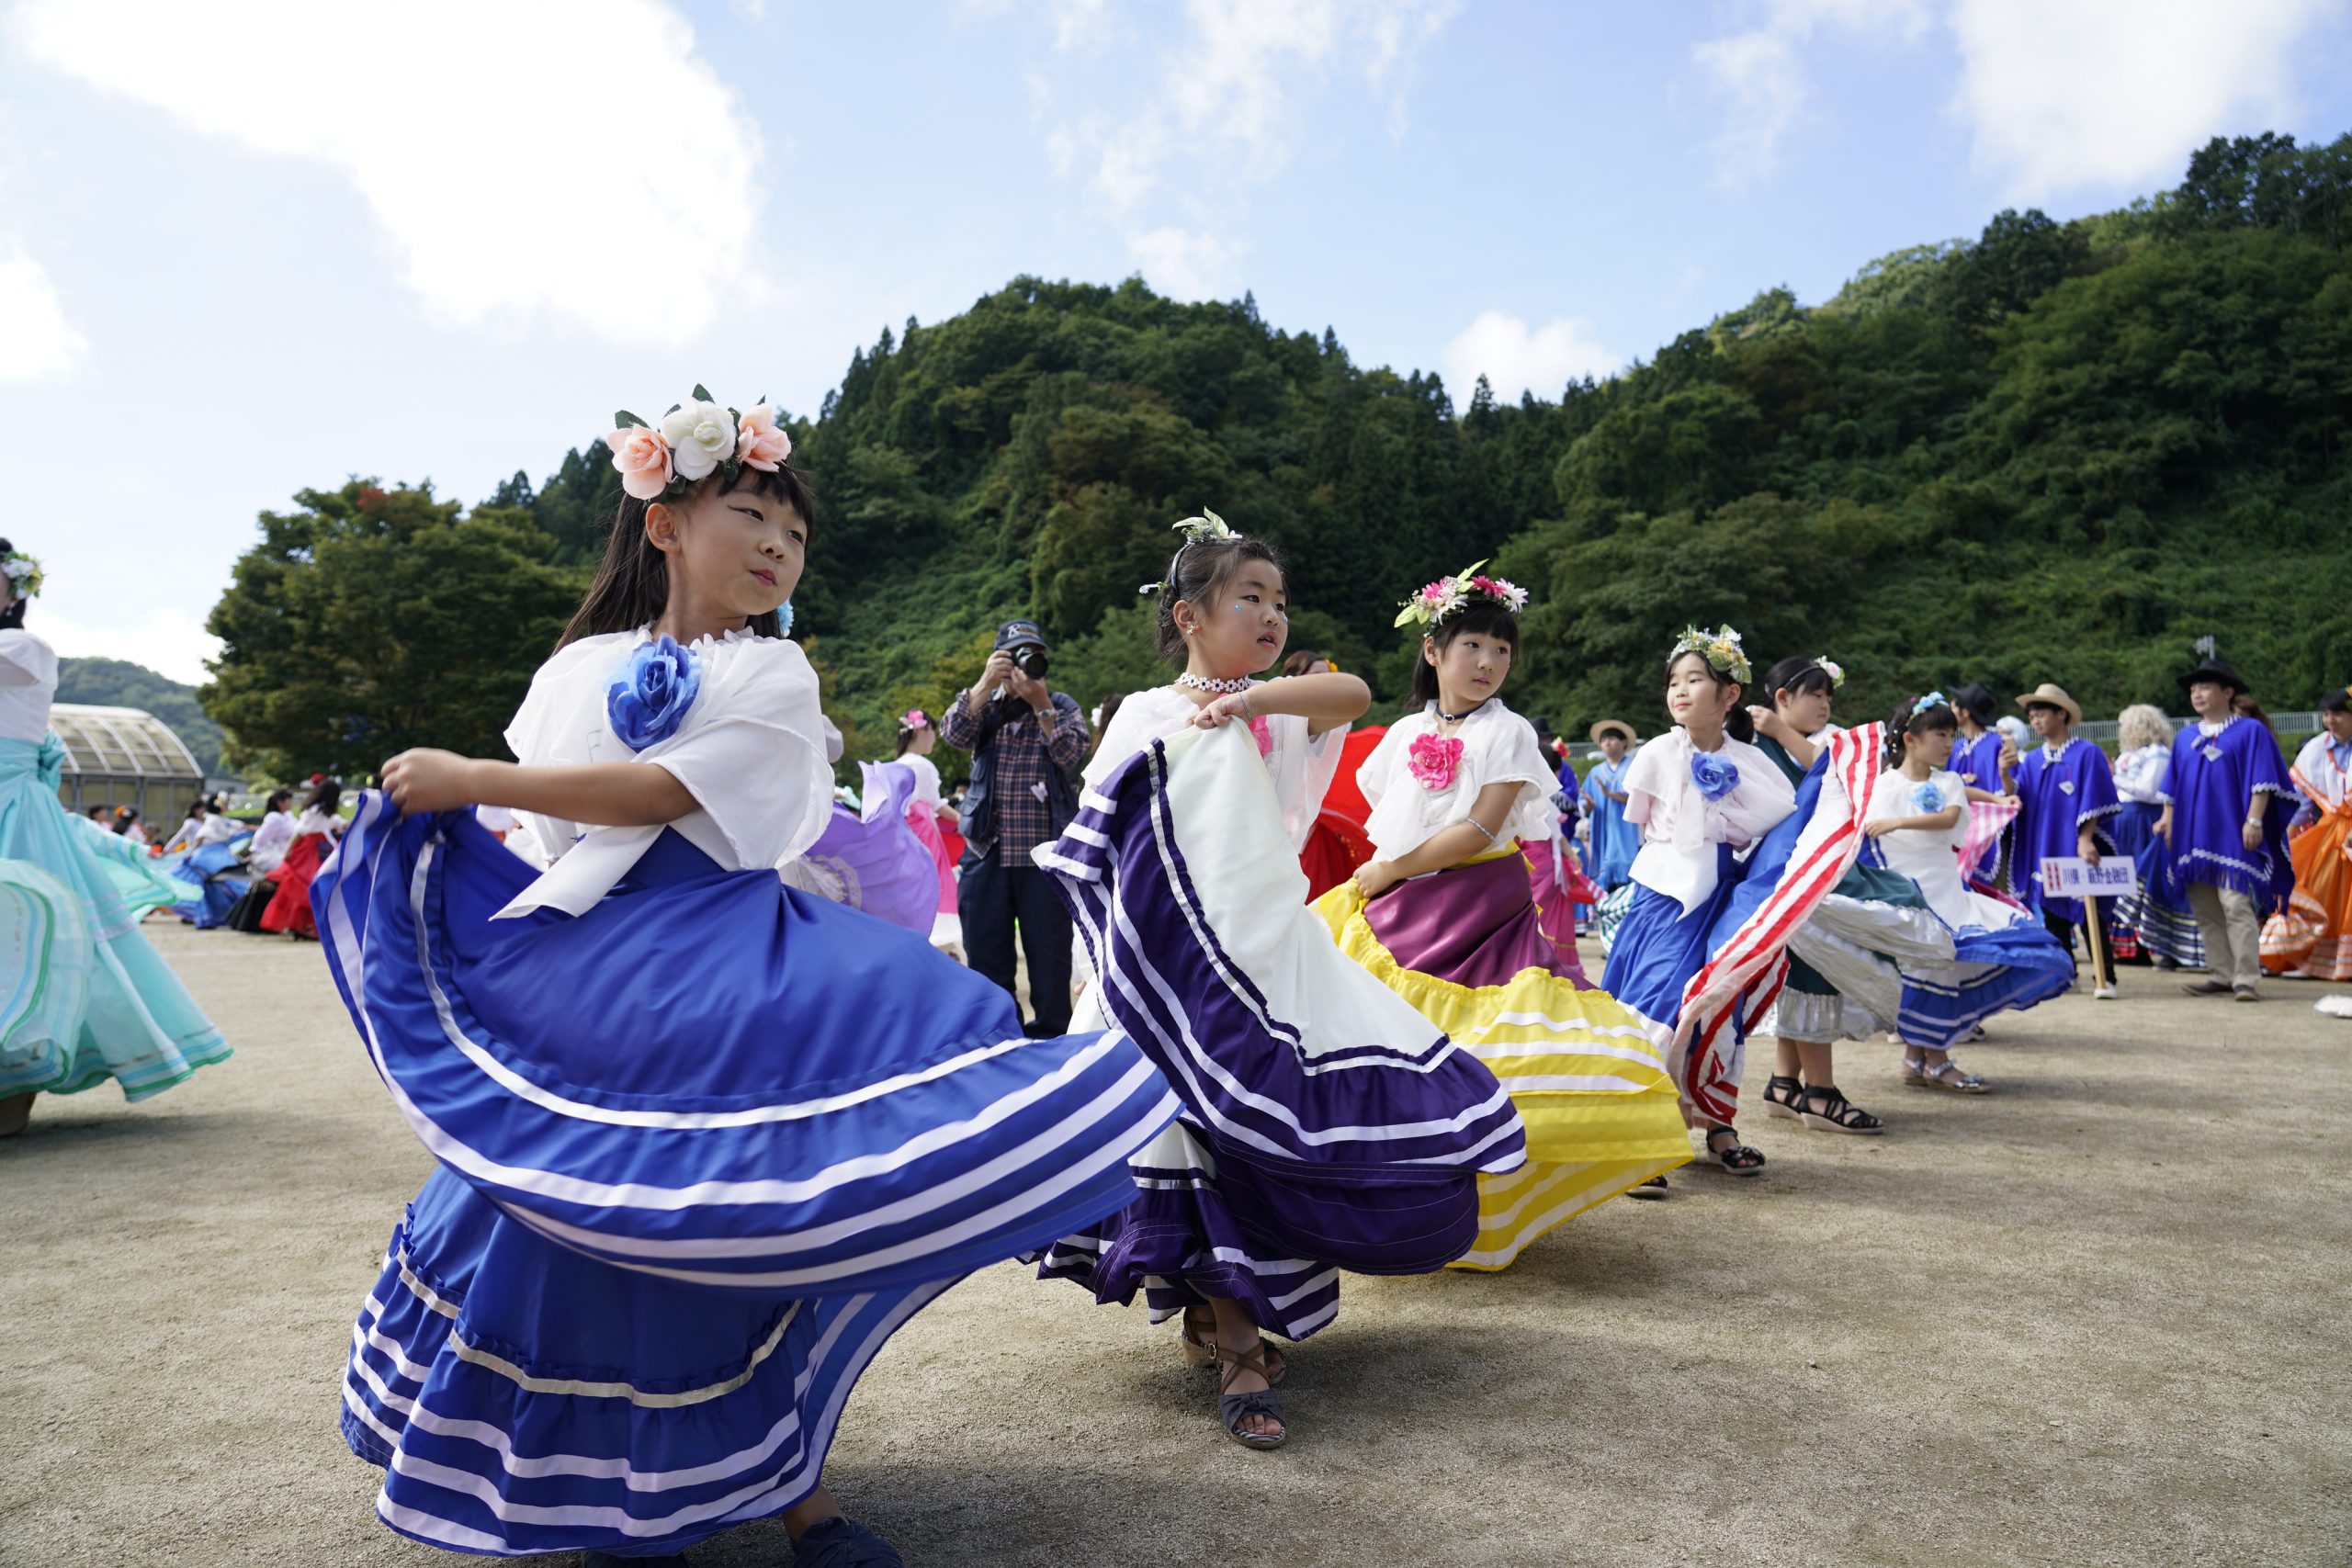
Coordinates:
2098 1316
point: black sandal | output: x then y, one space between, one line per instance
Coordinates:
1232 1408
1781 1096
1736 1160
1837 1114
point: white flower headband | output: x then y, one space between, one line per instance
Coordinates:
1449 596
694 440
24 574
1196 530
1835 672
1719 648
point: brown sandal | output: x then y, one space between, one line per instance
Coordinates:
1200 1349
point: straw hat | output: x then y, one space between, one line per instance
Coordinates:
1619 725
2056 697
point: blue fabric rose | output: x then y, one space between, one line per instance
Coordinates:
1927 797
652 692
1715 777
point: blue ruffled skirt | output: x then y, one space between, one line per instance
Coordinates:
702 1150
2156 912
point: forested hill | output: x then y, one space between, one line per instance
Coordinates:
2053 452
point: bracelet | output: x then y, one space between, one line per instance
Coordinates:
1494 841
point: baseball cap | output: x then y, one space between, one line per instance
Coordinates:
1012 634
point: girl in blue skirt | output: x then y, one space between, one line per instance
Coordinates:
705 1138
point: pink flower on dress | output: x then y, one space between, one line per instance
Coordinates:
1433 760
760 444
1263 733
644 459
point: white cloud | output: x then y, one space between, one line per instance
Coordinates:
1224 101
462 125
36 340
2066 93
170 642
1184 265
1515 358
1762 77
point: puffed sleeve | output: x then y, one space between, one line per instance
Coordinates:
26 660
1645 780
1387 759
1510 753
757 757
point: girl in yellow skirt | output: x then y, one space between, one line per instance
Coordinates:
1444 915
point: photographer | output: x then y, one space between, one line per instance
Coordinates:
1026 742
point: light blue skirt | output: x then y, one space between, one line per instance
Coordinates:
133 1020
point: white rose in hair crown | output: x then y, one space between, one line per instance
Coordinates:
23 572
694 440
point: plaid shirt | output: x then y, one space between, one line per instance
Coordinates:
1024 819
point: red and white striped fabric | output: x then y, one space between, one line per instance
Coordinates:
1987 820
1744 976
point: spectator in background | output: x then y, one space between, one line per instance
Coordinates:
126 823
1614 839
1025 739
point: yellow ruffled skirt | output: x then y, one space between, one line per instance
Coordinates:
1464 948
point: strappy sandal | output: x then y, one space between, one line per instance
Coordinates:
1914 1072
842 1543
1200 1349
1232 1408
1837 1114
1952 1080
1736 1160
1654 1188
1781 1096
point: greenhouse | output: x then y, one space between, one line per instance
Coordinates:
117 757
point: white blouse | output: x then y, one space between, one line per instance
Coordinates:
2141 775
2316 762
28 685
270 842
751 751
1680 826
1301 766
926 774
314 820
1928 856
1498 747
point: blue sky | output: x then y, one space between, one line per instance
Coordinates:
248 249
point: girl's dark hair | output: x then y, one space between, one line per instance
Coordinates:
2336 700
326 797
13 616
1976 699
1199 575
632 582
1911 719
1481 617
125 817
2246 704
279 800
1297 662
907 733
1736 723
1797 676
200 807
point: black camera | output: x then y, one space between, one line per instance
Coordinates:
1030 660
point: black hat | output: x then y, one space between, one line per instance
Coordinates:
1012 634
2213 667
1976 699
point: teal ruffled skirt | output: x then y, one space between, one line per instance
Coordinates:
83 996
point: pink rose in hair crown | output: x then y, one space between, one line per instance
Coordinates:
644 459
1433 760
760 444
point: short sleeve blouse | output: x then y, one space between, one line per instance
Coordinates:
1301 765
751 749
1496 746
28 685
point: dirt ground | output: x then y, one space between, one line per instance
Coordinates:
2098 1316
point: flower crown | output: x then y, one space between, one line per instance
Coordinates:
24 574
916 718
1719 648
694 440
1449 596
1198 530
1837 672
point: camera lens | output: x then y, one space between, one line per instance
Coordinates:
1030 660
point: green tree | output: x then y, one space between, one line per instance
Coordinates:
372 620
